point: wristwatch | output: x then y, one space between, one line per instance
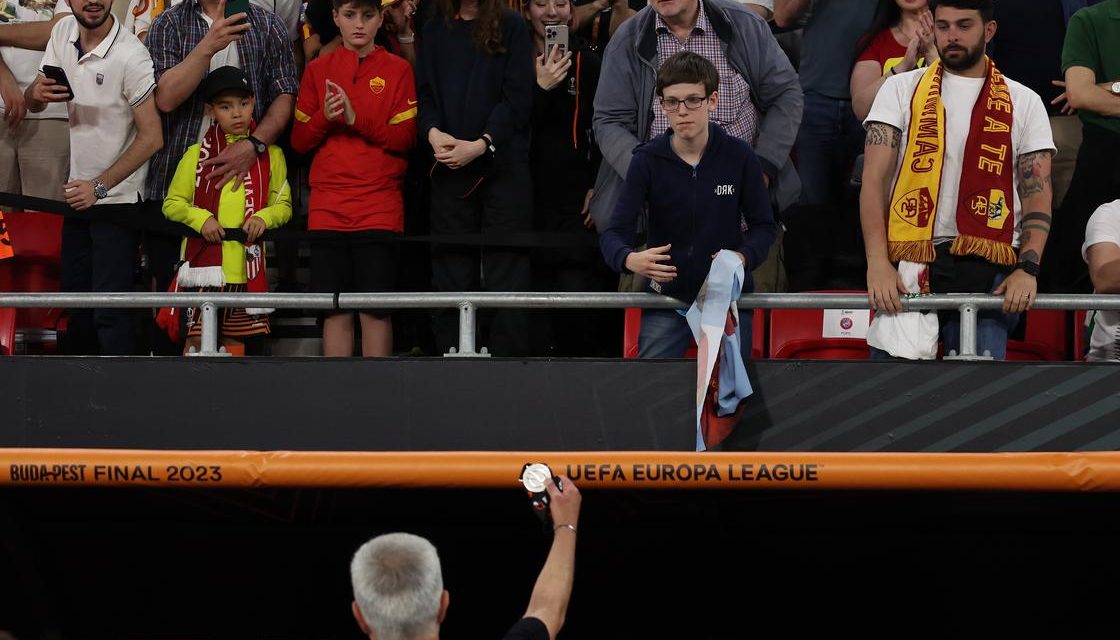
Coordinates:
1115 88
100 191
490 148
1029 268
257 144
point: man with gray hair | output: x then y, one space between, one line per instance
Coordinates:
398 583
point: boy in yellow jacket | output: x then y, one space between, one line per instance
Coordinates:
262 201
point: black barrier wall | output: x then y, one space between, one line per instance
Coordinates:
550 405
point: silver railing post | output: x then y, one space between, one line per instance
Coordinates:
467 316
968 318
209 341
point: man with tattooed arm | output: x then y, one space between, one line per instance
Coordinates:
956 186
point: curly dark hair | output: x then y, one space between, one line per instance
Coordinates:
487 28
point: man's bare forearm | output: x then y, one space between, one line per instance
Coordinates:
1036 199
1083 92
148 140
549 602
276 119
880 155
29 35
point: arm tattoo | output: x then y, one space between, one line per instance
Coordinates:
1029 255
1033 177
1037 221
879 134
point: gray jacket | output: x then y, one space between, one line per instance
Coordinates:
626 86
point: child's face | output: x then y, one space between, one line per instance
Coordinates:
688 107
358 24
232 111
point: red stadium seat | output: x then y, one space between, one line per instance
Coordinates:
1080 335
795 334
633 324
37 241
1045 339
7 331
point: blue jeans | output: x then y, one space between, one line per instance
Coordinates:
828 141
665 334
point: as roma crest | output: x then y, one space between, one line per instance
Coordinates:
915 207
377 85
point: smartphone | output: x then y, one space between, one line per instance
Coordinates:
555 35
234 7
59 76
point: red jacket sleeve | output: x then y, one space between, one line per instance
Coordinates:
398 133
310 125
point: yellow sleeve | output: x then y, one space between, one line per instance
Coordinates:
279 209
178 206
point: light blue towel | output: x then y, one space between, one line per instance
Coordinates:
708 315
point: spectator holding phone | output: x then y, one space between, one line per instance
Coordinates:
109 83
357 108
398 582
474 79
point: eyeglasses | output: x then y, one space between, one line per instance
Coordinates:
692 103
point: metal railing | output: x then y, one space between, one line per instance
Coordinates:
468 304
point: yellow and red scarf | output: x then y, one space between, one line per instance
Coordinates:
985 198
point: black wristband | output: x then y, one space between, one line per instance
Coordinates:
1029 268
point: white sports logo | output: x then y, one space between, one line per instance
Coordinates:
725 189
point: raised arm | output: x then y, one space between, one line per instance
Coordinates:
553 590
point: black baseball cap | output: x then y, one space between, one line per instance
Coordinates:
224 79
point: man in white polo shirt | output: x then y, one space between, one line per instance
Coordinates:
114 130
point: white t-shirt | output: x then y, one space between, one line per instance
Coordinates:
24 63
1103 226
1030 132
138 18
107 83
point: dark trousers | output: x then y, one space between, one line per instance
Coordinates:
503 204
1096 180
100 257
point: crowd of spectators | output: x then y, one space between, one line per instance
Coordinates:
370 120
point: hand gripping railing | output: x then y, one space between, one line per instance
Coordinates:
468 303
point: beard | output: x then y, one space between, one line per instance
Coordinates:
969 58
94 24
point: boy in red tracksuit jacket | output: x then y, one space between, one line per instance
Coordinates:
357 108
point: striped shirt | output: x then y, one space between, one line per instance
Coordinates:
734 112
265 54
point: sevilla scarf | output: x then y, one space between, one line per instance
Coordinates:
204 260
985 214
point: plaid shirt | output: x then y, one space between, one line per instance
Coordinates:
734 112
266 57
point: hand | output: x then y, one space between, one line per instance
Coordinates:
254 228
212 230
223 31
928 44
46 91
1018 290
232 163
563 505
15 104
883 286
399 15
79 194
336 105
552 71
461 153
588 222
1062 98
742 258
439 140
648 263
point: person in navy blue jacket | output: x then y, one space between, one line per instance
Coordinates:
704 192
